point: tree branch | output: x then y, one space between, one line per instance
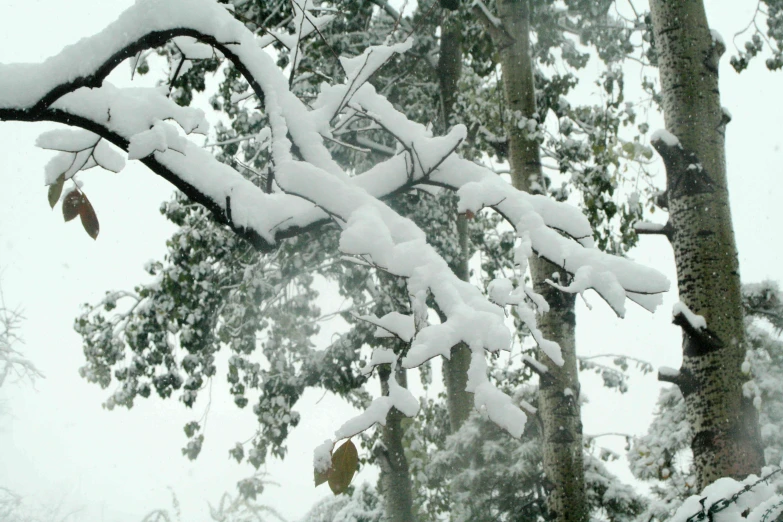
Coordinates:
682 378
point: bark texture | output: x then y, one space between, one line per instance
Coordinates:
726 439
455 370
558 401
395 480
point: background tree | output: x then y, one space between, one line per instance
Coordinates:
479 474
15 508
511 31
361 505
243 506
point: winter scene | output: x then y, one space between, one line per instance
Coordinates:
391 260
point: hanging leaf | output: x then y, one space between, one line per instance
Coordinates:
89 219
321 476
71 205
344 462
56 190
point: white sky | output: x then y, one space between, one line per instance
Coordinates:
60 447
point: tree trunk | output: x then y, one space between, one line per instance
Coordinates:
395 480
558 402
726 438
455 370
459 401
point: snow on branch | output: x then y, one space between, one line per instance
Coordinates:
753 499
695 326
696 322
311 188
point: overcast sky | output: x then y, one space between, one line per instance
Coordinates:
60 447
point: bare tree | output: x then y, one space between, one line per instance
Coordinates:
13 364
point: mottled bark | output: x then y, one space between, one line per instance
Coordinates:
455 370
558 402
395 480
725 426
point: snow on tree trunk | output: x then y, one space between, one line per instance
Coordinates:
395 479
726 439
558 403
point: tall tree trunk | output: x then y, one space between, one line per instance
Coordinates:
558 401
726 438
395 480
455 370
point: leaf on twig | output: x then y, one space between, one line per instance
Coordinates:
88 217
344 462
75 204
56 190
321 477
71 205
345 459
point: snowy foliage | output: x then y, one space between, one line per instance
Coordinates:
479 474
300 173
15 508
240 507
769 13
362 505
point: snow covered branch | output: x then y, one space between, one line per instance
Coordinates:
695 326
645 227
311 188
753 499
